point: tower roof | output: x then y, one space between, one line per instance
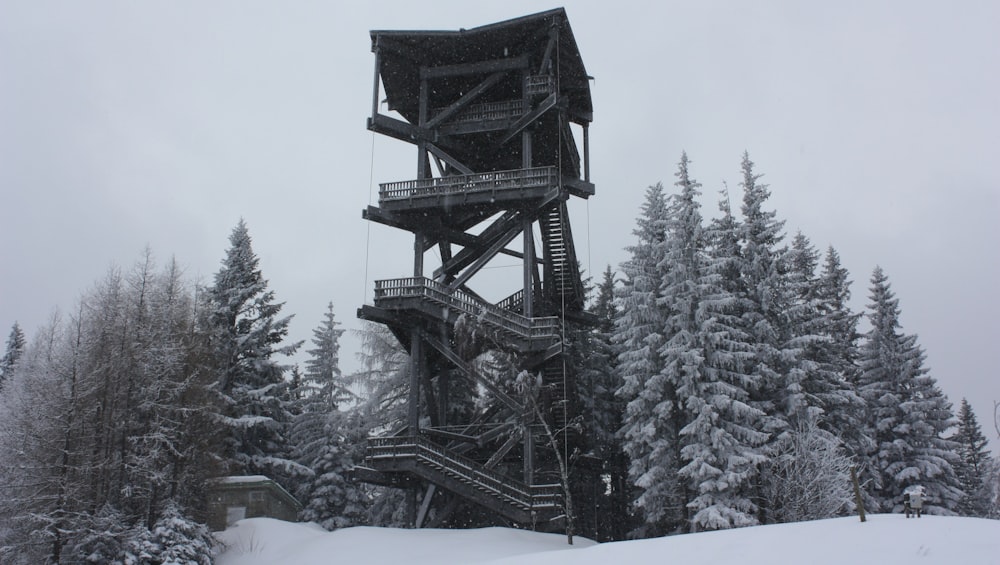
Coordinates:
404 53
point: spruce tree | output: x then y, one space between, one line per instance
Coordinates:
614 520
908 413
246 333
974 468
719 432
763 269
601 514
319 436
638 336
15 348
824 333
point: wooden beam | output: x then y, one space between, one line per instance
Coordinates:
452 436
467 370
547 58
571 150
482 67
439 235
466 99
425 505
455 163
487 255
416 367
431 399
468 255
399 129
469 240
494 433
444 248
525 120
375 89
497 457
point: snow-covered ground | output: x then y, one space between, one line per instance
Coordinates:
882 540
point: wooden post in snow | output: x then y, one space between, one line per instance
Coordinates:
857 493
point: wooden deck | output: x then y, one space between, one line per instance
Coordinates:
479 188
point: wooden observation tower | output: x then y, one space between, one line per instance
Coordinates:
496 114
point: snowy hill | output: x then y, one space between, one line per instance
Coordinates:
883 540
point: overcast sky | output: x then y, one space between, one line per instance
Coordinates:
127 124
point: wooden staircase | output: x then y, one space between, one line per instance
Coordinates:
442 303
416 455
565 289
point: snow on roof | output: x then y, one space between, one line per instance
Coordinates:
243 479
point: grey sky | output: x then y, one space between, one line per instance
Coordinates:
876 125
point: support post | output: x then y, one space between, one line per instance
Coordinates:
425 506
375 89
418 254
529 452
586 152
423 162
528 269
857 493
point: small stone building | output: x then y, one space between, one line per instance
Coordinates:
254 496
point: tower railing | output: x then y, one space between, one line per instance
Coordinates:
540 84
516 179
486 112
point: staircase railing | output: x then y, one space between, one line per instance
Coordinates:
466 470
438 293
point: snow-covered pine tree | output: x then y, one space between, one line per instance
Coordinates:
638 337
383 380
764 269
318 436
823 330
596 376
15 348
719 436
246 335
907 412
597 418
614 520
840 326
176 538
974 468
811 387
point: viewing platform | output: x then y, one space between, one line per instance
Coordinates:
475 189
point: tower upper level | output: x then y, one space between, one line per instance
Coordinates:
486 85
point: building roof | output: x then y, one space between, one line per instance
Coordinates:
242 482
